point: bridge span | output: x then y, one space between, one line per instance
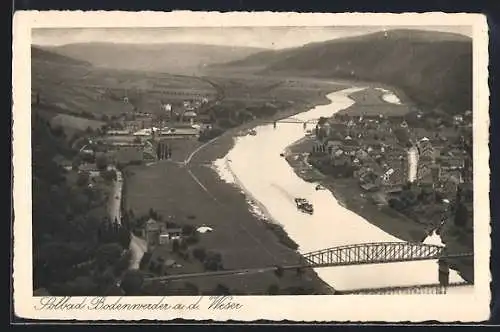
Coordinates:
377 253
358 254
299 121
293 120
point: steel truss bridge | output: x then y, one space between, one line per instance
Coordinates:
293 120
356 254
377 253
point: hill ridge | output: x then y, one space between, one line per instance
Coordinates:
178 58
42 54
434 69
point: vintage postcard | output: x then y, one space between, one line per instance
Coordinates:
251 166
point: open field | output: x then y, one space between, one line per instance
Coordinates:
250 88
242 240
369 102
245 98
75 122
77 89
171 191
73 95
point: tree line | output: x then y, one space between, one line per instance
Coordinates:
76 249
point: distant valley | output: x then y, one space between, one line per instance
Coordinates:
433 69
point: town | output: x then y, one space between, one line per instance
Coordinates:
419 165
140 137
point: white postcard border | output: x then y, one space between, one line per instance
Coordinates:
393 308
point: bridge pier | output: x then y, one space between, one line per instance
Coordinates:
444 273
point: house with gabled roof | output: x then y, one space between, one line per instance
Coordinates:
452 163
333 147
393 177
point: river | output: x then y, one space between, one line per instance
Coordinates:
254 164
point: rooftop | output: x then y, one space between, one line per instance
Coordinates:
189 114
151 221
173 230
180 131
87 167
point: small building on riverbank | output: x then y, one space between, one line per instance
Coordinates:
170 234
157 233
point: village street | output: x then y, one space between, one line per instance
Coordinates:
137 246
412 163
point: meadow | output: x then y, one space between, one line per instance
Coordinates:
369 102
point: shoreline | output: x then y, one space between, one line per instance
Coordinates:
345 198
349 196
347 193
343 193
269 231
278 230
225 142
275 227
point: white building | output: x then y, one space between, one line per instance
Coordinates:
118 132
170 234
167 107
146 131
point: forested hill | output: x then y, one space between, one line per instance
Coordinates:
41 55
434 69
171 57
75 251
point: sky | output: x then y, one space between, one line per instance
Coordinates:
261 37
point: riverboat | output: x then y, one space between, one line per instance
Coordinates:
304 206
320 187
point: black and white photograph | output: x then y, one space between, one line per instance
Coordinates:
218 163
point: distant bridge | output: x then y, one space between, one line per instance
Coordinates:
356 254
298 121
293 120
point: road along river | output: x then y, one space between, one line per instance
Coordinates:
137 246
255 166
